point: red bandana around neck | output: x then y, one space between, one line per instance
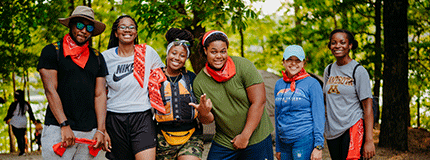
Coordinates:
226 72
301 75
79 54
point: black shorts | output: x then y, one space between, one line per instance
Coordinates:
130 133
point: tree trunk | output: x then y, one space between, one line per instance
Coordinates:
242 52
196 58
378 57
394 130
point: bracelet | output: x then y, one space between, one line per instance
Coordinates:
101 132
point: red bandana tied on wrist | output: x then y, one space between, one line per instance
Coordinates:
226 72
78 54
155 78
301 75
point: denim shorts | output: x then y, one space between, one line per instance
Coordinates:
299 149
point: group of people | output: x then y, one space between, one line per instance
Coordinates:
136 107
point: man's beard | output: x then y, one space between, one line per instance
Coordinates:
76 41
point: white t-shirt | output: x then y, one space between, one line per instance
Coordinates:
18 120
343 98
124 92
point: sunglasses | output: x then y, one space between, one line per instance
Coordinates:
178 42
80 26
125 27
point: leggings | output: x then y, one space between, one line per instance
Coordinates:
19 134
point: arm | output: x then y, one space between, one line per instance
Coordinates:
50 84
100 108
318 115
9 114
257 98
369 146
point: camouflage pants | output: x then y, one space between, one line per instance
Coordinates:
165 151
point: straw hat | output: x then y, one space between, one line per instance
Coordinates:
87 13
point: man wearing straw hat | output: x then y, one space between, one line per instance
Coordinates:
73 75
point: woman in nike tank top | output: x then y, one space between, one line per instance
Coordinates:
130 129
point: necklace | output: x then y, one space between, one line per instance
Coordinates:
176 79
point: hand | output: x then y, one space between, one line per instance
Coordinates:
278 155
204 107
99 137
108 144
368 149
67 136
240 142
316 154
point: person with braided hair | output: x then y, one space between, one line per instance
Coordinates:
236 90
130 129
179 132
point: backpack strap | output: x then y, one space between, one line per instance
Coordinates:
57 49
329 69
353 72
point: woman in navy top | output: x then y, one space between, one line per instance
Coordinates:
299 110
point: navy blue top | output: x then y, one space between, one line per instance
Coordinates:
299 113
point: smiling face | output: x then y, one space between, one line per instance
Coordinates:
81 35
292 66
216 54
126 35
176 58
340 45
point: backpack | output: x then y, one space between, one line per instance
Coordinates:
353 72
58 46
175 115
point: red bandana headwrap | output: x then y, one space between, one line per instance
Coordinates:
226 72
79 54
301 75
208 34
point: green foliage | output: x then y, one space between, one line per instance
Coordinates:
419 62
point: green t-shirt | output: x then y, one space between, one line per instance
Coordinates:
231 104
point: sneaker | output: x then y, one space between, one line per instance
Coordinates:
21 154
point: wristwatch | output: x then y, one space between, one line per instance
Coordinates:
319 147
65 123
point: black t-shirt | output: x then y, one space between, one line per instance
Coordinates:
76 87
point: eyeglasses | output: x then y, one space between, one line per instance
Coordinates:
125 27
80 26
178 42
